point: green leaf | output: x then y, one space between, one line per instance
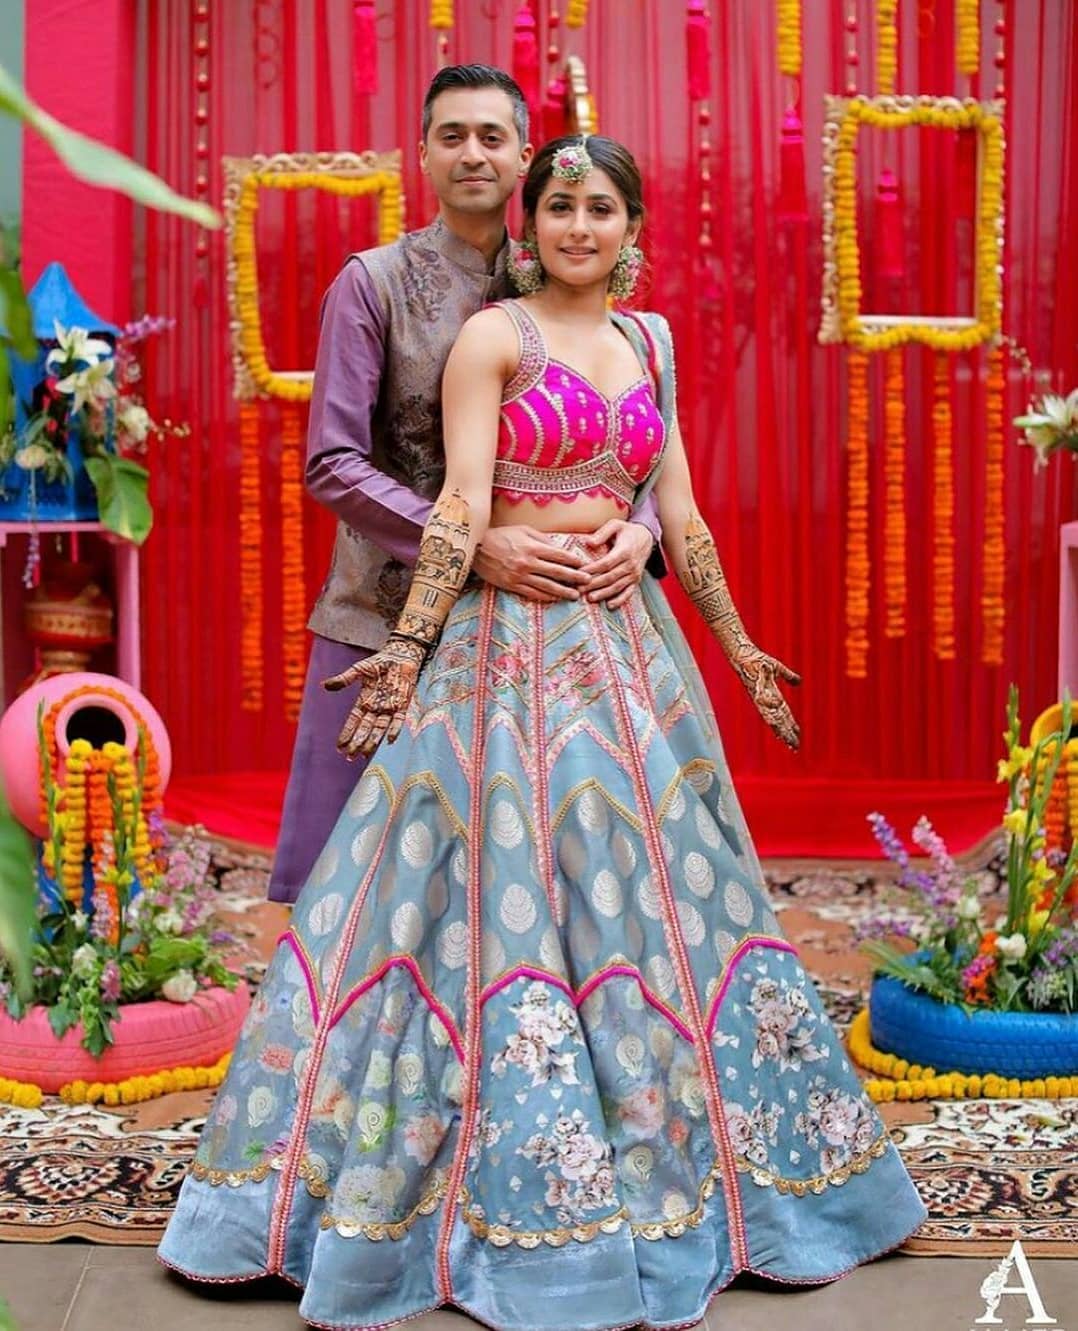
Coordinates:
15 314
99 164
61 1019
7 1321
18 890
122 498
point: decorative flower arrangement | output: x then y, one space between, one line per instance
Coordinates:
1026 960
90 386
1051 425
144 931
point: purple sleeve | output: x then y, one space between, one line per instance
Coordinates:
347 382
647 514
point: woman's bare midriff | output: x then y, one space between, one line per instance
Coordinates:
585 513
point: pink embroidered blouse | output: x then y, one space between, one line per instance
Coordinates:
560 437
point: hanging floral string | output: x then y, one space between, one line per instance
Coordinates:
857 555
943 540
993 611
967 20
886 45
251 663
894 520
294 591
577 14
364 48
789 36
441 13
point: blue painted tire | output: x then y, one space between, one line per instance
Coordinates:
1027 1045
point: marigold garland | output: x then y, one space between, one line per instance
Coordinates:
133 1090
294 592
441 13
577 14
943 539
788 35
967 19
886 44
251 664
894 472
857 552
901 1080
993 607
23 1094
385 184
843 319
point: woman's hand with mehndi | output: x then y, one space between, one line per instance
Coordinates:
615 575
387 682
760 674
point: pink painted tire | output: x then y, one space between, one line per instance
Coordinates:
19 764
150 1037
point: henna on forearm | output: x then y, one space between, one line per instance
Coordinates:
446 550
706 586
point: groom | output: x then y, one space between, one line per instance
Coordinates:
374 452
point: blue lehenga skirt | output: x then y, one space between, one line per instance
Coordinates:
533 1044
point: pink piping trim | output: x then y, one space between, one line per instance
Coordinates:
409 963
305 966
778 944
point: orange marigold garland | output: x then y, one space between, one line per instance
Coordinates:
294 592
943 540
886 44
967 36
894 520
789 36
857 555
251 664
993 611
441 13
577 14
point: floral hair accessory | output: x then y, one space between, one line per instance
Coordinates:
572 162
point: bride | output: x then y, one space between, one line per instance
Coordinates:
534 1045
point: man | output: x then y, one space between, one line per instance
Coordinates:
375 455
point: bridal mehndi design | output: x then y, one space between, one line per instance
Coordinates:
389 677
706 586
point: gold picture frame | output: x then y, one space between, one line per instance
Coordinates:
842 319
342 173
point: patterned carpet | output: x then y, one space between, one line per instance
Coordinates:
989 1171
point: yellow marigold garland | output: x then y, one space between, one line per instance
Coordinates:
577 14
943 539
251 664
294 592
993 607
23 1094
788 34
894 519
847 264
74 797
386 184
902 1080
133 1090
967 19
857 550
886 44
441 13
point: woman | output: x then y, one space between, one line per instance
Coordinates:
533 1044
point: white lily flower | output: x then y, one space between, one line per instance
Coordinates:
75 344
968 908
134 421
1012 947
92 385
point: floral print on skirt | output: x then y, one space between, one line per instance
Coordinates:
533 1044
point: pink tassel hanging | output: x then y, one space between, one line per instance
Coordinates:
554 125
526 54
793 203
698 40
364 48
892 257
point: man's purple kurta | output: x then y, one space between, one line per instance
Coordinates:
375 457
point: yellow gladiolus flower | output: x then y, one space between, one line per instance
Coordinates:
1015 821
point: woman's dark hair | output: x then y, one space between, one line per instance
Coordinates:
607 154
477 76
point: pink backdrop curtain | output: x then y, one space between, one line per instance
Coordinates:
762 405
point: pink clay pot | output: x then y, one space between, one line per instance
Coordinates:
19 769
150 1037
